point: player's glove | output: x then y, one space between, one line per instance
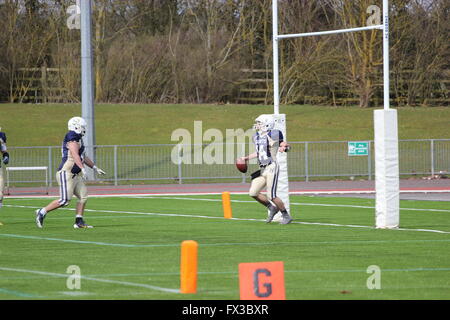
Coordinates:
98 170
5 157
83 174
284 147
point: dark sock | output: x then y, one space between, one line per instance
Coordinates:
78 219
284 212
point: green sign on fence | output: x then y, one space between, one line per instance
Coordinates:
358 148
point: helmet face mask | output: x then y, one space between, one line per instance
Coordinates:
78 125
263 123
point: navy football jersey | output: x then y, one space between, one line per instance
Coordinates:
2 143
68 162
2 137
267 146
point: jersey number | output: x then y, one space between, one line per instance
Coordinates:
262 154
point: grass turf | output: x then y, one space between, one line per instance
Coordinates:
134 250
122 124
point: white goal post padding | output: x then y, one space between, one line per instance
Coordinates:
386 169
283 179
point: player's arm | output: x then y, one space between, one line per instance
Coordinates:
283 145
92 165
74 149
3 149
250 156
5 156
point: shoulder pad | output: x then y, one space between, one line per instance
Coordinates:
73 136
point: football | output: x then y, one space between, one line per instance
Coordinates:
241 165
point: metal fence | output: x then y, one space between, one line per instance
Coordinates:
174 164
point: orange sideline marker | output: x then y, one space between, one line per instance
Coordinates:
188 272
226 202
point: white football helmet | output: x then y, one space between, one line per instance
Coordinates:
78 125
264 123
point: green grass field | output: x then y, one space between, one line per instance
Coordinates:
134 250
46 124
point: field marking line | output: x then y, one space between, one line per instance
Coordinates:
125 245
126 283
19 236
18 293
238 219
293 203
292 192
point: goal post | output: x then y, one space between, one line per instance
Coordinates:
385 124
386 169
283 177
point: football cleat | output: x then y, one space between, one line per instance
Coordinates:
39 218
81 225
272 212
286 219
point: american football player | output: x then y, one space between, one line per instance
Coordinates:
268 142
71 174
5 160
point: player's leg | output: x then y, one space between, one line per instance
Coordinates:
65 183
255 192
256 186
272 184
80 191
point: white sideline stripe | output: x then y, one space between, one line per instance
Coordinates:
293 203
126 283
236 219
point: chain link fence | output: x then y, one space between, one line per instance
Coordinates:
169 163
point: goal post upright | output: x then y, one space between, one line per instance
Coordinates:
387 177
386 69
275 72
279 119
385 126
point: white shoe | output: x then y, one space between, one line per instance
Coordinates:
39 218
272 212
286 219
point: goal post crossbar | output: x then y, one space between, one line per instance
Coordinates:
276 37
385 126
320 33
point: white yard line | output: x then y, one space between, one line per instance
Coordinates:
293 203
61 275
236 219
